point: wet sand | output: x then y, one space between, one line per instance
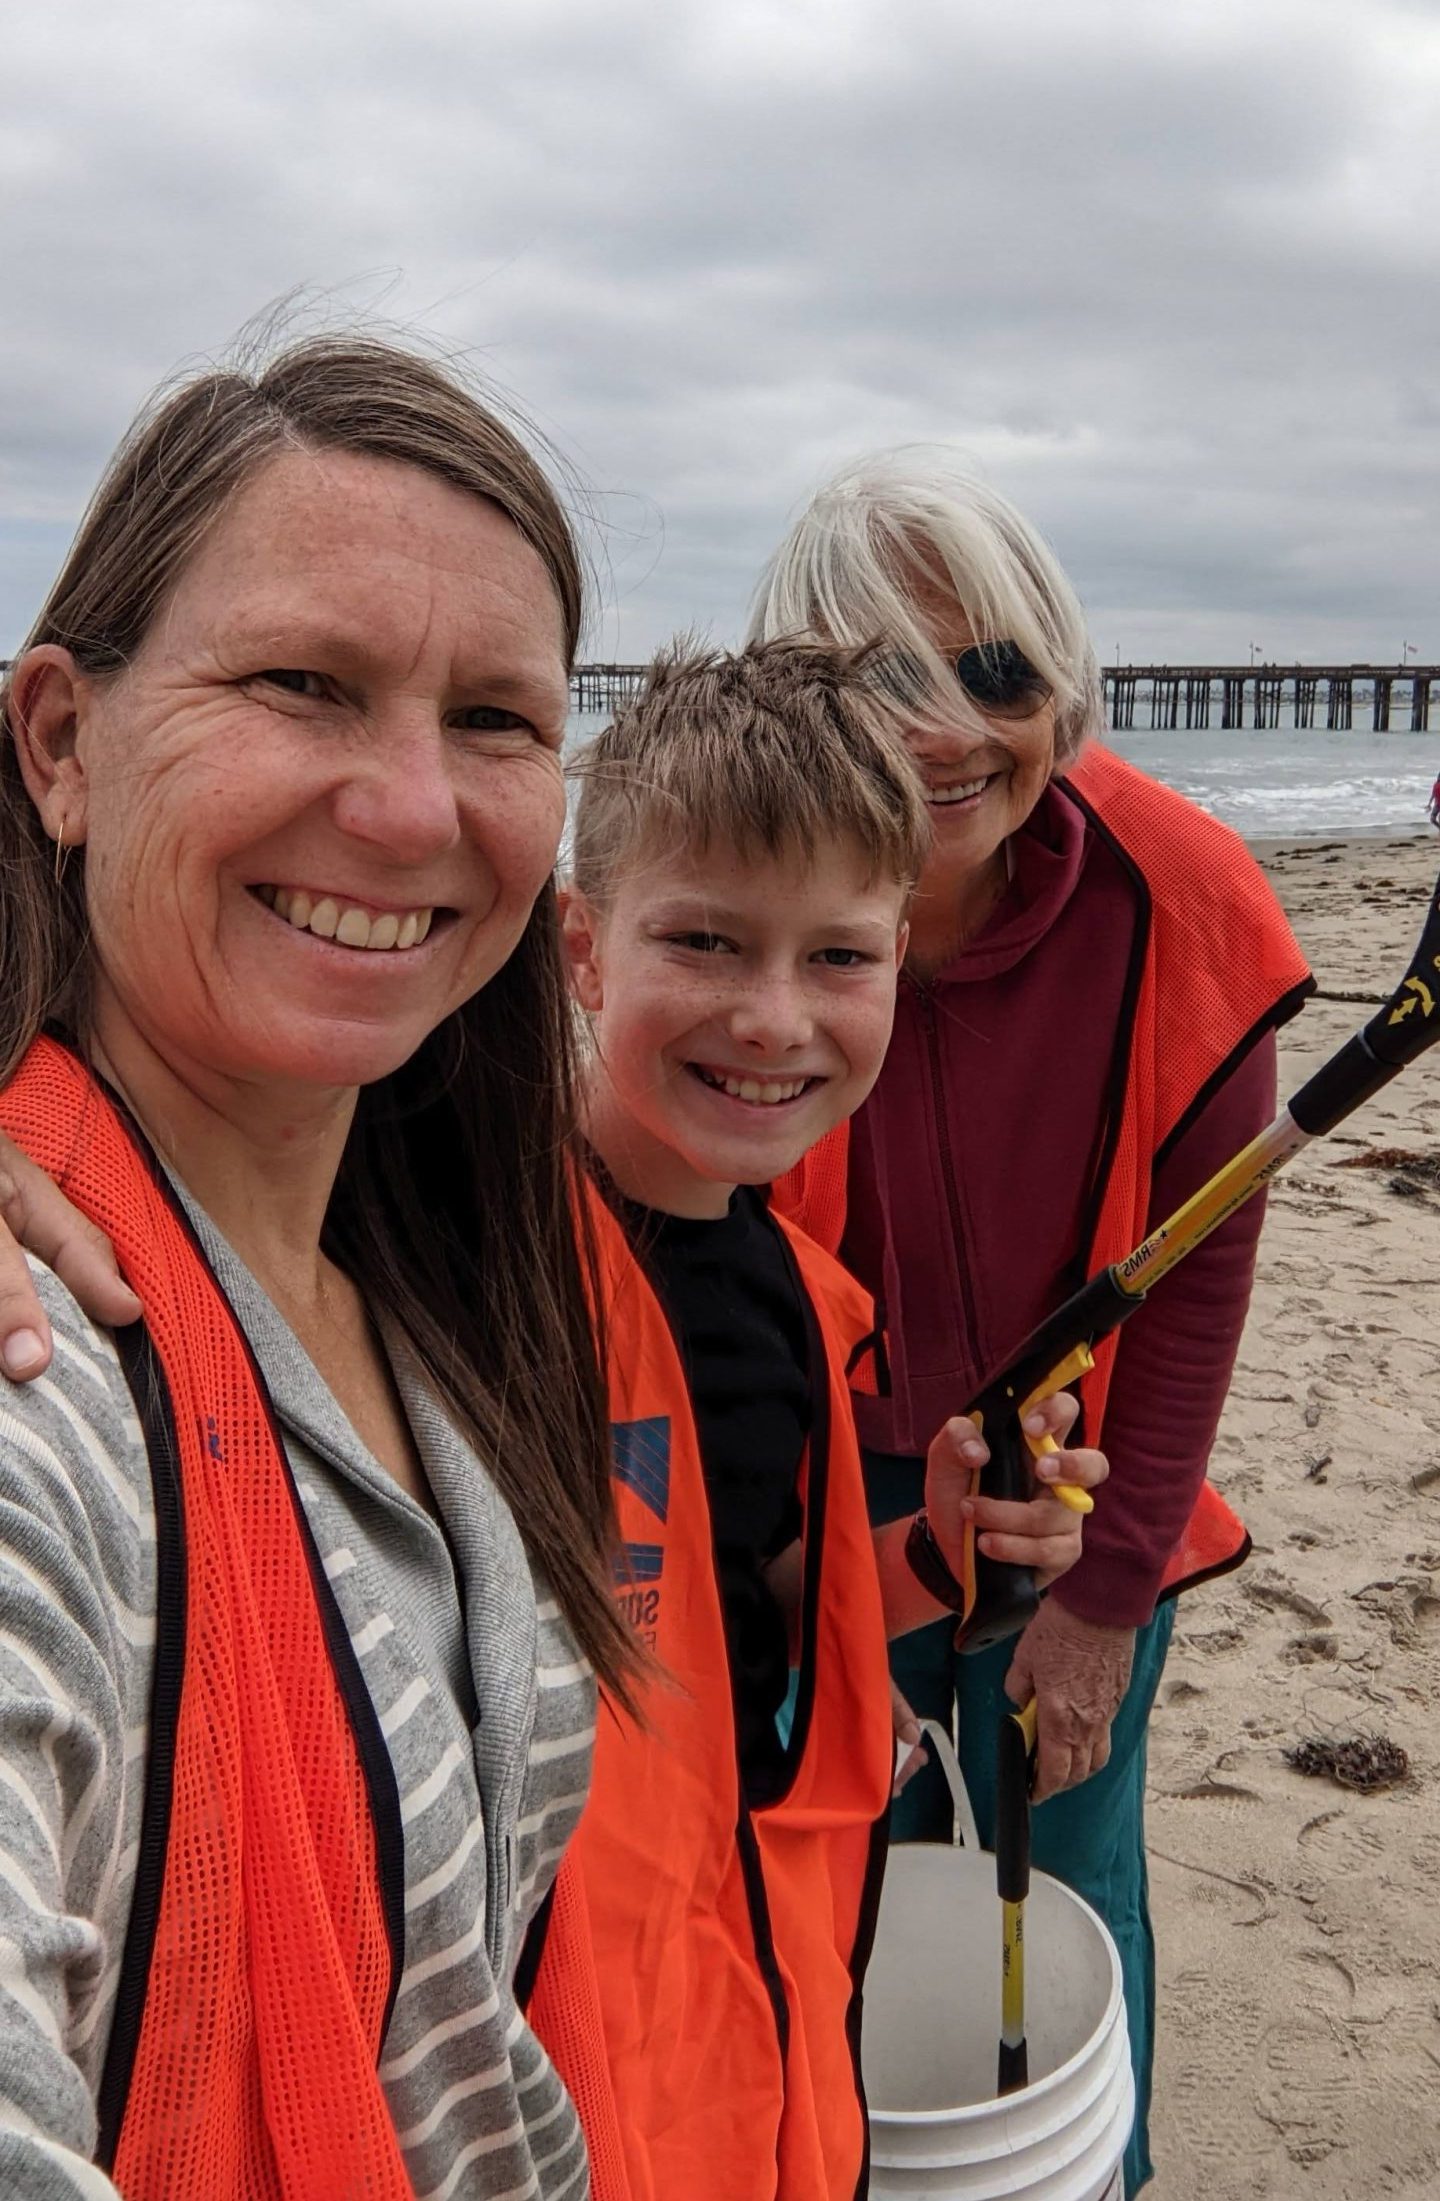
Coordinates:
1298 1921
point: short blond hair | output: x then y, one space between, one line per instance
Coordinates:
775 750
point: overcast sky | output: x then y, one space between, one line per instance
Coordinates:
1169 270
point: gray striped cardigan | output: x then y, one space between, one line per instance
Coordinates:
486 1708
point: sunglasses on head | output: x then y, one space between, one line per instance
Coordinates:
999 678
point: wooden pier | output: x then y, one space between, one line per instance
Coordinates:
601 687
1231 696
1254 695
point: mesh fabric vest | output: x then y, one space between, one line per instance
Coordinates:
1219 967
259 1968
713 2055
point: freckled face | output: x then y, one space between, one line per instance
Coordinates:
740 1009
983 774
320 803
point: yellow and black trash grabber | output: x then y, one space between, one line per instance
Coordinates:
1001 1599
1012 1879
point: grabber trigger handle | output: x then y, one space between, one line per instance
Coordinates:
1075 1364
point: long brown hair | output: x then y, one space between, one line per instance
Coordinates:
453 1209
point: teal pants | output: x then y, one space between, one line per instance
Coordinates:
1092 1837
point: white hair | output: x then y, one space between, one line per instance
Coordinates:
846 574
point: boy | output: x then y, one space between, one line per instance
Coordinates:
745 846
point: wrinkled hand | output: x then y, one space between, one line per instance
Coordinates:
1041 1532
907 1731
1077 1671
35 1214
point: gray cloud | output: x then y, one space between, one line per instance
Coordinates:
1170 275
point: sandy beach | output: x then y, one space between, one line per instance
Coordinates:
1298 1921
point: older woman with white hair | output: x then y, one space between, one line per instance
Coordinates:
1085 1032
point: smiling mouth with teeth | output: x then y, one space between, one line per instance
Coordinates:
344 922
960 790
764 1092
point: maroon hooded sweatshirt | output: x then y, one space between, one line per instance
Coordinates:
972 1192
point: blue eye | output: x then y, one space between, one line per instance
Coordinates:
699 943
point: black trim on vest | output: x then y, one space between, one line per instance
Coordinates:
532 1949
817 1484
757 1902
866 1921
1236 1558
875 1342
1119 1077
376 1767
1289 1004
817 1480
747 1845
146 1379
817 1489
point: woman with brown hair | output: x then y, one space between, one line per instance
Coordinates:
303 1579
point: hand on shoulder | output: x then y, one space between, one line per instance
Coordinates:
36 1218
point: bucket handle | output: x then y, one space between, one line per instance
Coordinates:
944 1750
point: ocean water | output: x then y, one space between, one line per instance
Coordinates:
1276 784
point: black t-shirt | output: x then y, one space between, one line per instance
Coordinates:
729 1292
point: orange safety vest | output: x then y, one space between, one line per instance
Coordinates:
718 2057
265 1936
1217 965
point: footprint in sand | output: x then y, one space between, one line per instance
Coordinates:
1407 1604
1276 1594
1362 2085
1215 2063
1340 1841
1309 2077
1425 1859
1216 1641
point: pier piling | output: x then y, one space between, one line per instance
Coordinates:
1257 695
1250 695
601 687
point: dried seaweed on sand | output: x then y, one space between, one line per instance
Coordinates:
1365 1762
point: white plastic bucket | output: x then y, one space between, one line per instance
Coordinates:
932 2027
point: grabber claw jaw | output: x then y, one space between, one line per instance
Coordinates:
1403 1029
